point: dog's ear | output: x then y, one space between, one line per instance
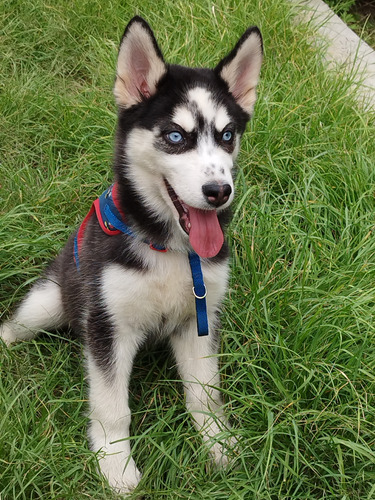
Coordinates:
241 67
140 64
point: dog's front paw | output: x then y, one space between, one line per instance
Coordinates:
122 473
222 453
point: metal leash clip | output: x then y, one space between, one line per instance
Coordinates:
198 296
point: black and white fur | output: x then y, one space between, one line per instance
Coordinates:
127 293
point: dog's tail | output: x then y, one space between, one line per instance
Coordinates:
41 309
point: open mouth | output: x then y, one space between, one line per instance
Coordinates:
203 226
181 207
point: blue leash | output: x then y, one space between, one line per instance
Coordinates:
200 292
111 221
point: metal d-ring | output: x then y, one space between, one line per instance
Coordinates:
198 296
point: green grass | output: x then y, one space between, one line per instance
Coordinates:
298 344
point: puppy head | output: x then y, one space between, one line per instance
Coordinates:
181 129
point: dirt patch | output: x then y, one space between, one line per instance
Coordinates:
365 8
363 20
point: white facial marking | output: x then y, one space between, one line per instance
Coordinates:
221 119
184 117
203 99
212 112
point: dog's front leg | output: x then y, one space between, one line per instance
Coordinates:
110 415
198 367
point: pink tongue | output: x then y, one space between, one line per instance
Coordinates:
206 236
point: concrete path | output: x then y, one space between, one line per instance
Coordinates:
342 46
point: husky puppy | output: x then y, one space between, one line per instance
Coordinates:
150 261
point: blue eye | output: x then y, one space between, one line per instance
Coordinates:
227 136
175 137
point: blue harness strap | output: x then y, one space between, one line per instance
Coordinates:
112 222
109 215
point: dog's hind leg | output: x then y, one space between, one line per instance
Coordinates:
41 309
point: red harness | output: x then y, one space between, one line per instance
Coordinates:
112 221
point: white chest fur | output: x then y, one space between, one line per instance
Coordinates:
140 299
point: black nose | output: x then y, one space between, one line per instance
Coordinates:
217 194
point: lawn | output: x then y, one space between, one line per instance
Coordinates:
298 362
